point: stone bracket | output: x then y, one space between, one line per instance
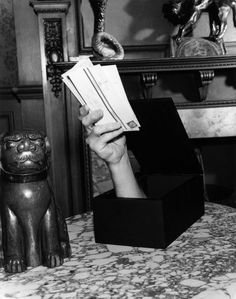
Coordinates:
148 80
205 78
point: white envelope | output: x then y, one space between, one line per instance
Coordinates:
109 88
100 87
82 62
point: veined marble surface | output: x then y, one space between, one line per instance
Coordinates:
200 264
209 122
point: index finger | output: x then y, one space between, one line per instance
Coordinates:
92 117
83 111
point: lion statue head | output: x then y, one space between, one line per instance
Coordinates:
24 152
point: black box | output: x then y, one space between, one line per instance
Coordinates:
170 175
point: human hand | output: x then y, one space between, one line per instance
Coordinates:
108 140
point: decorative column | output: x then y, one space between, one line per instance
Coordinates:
52 34
53 48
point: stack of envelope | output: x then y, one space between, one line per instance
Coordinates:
100 87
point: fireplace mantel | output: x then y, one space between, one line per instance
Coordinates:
203 68
202 118
164 64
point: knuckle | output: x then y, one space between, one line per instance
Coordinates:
88 141
96 130
84 121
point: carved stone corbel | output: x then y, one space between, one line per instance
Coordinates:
149 80
205 78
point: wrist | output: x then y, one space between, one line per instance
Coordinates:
122 163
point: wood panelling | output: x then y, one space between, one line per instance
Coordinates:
6 121
21 107
10 111
27 40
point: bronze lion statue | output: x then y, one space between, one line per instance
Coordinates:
34 231
186 13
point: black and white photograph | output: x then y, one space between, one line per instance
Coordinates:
117 149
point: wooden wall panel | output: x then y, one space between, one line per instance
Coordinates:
10 111
21 108
6 121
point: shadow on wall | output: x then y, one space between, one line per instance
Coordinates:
148 24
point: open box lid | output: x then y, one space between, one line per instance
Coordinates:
162 144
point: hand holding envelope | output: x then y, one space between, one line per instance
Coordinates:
100 87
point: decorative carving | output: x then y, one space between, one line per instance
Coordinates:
196 47
53 52
187 13
53 38
33 229
50 6
105 46
205 77
149 80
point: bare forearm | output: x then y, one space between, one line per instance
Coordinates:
123 178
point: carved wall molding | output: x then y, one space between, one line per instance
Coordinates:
166 64
51 13
206 104
50 6
53 51
176 64
24 92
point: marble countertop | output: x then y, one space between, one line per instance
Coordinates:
200 264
